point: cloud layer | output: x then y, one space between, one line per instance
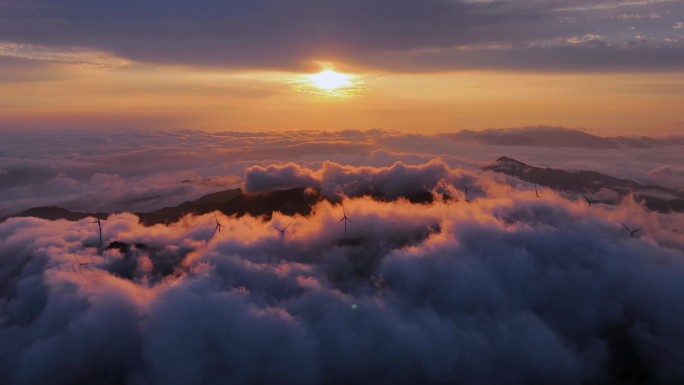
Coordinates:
394 35
506 289
107 171
335 180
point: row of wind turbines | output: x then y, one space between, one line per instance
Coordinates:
346 219
632 232
590 202
219 226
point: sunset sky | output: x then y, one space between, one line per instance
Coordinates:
335 192
610 67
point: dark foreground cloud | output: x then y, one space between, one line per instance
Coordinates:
405 35
508 289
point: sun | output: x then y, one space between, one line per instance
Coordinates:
329 83
330 80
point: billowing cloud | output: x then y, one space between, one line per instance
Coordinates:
112 171
335 180
667 172
542 290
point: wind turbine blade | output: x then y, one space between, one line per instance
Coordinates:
343 218
625 226
350 221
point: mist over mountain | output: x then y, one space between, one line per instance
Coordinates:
381 192
427 284
546 290
586 181
647 142
535 136
561 137
138 171
387 184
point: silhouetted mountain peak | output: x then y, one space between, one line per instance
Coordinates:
540 136
53 213
507 160
654 197
513 166
293 201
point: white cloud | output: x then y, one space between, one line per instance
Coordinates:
141 171
543 290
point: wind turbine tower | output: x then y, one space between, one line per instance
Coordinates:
99 226
282 231
217 229
345 219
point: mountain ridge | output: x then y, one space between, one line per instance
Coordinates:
586 181
300 200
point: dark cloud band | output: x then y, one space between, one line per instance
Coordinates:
388 34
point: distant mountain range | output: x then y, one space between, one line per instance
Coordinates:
301 200
654 197
236 202
230 202
547 136
53 213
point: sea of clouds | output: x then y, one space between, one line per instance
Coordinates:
128 170
506 289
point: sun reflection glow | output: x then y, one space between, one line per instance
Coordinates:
330 80
331 84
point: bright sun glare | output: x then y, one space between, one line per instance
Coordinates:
330 80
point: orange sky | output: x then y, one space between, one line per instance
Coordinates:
609 67
143 96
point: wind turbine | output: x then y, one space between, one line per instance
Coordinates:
81 264
99 226
345 219
535 191
631 232
218 226
466 189
590 201
282 231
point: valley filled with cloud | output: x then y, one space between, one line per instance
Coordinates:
133 170
509 282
